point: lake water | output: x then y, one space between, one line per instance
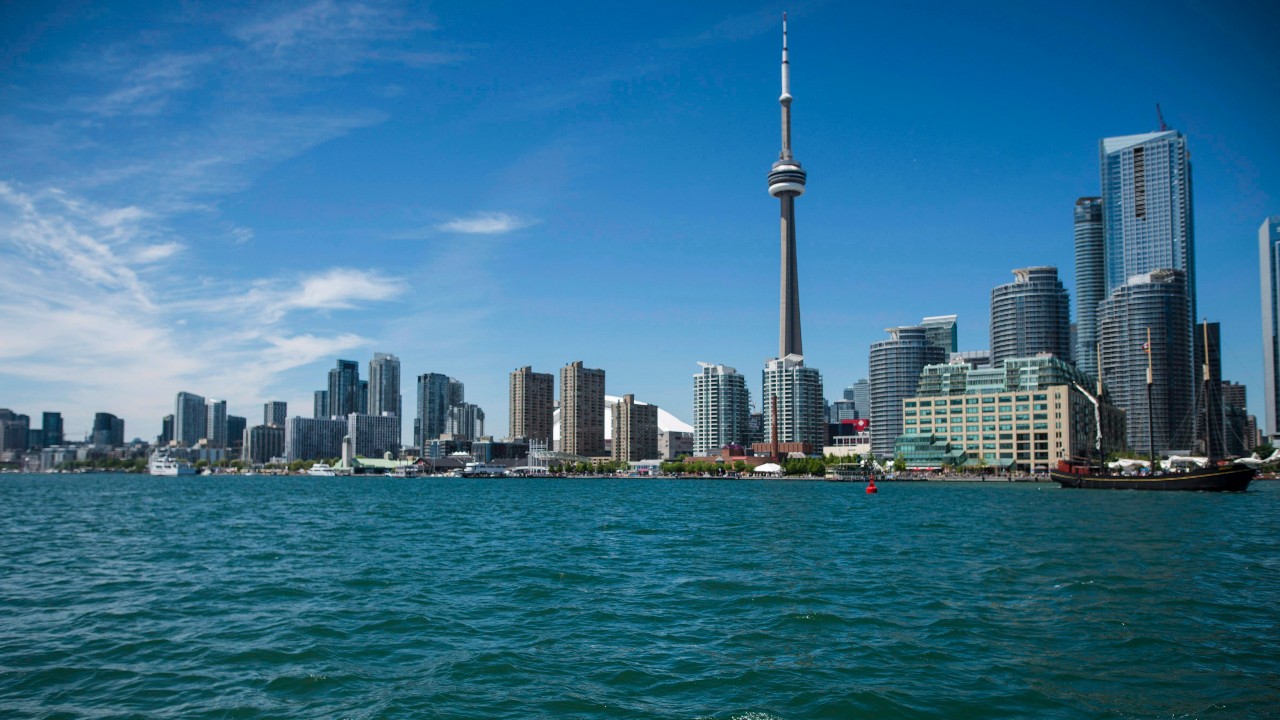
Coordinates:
131 596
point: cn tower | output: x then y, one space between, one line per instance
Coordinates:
786 182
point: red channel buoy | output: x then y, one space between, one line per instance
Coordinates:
871 487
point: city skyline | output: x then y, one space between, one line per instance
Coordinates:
237 253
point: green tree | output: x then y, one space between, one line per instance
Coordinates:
202 464
899 464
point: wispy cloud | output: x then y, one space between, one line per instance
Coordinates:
494 223
82 328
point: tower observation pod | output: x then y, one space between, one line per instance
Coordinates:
786 182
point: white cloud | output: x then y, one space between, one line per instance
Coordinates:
156 253
486 224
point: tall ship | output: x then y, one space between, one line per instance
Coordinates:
1212 476
162 462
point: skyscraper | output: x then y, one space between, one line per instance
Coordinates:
532 405
1030 315
1091 281
108 430
384 389
861 396
721 409
275 413
635 430
1154 303
51 429
1146 208
190 418
166 430
433 408
581 410
798 392
894 366
320 406
1148 229
216 423
941 330
466 421
235 431
344 389
1269 264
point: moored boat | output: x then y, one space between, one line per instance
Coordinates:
478 469
163 463
1221 478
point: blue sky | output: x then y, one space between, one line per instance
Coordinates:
225 198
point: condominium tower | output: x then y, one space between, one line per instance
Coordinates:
433 408
721 409
1269 263
1030 315
1141 322
581 410
384 390
190 419
1091 281
635 430
532 405
275 413
894 367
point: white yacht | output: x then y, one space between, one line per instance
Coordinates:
478 469
322 470
162 462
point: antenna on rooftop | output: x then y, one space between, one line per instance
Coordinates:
1160 117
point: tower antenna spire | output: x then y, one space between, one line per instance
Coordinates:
785 98
1159 115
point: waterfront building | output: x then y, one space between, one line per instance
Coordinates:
1030 315
15 431
894 367
51 433
941 330
842 410
582 410
314 438
362 398
860 393
1153 303
433 408
1269 264
108 431
1237 438
673 444
972 358
532 405
190 419
320 406
466 421
635 430
384 389
235 431
1091 281
374 435
345 389
1146 210
797 392
1148 228
166 430
721 409
755 428
1026 414
216 423
275 413
263 442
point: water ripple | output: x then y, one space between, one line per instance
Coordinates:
305 597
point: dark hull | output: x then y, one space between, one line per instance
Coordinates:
1234 478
